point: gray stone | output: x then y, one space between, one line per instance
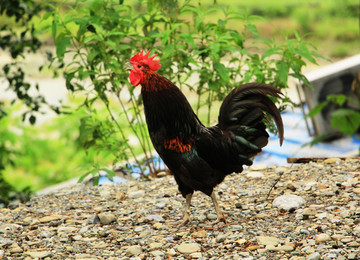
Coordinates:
309 212
313 256
187 248
156 218
220 238
136 194
322 238
266 240
157 253
40 255
288 201
134 250
107 218
94 219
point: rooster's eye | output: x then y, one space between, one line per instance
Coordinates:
139 66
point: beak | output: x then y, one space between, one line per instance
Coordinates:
128 66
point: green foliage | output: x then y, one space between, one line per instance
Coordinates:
207 51
207 57
345 120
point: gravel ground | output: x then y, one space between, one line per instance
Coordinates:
307 211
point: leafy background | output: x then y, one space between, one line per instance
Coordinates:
206 47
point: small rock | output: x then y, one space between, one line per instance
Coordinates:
38 255
47 219
211 216
196 255
138 229
77 237
171 252
155 245
352 256
15 248
94 219
266 240
161 174
313 256
353 244
288 201
322 215
120 195
345 213
134 250
337 237
241 241
157 218
220 238
260 167
187 248
107 218
279 248
332 160
158 225
200 234
254 174
253 247
322 238
157 253
356 190
136 194
309 212
160 205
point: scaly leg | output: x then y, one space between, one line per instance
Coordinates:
186 218
219 213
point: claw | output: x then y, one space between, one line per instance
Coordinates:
186 218
219 213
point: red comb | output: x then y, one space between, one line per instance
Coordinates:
140 57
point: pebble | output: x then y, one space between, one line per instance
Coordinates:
155 245
38 255
136 194
186 248
309 212
314 256
322 238
288 201
84 223
107 218
134 250
253 174
157 218
268 241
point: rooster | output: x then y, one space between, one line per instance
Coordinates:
201 157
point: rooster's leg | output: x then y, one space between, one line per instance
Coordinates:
186 218
219 213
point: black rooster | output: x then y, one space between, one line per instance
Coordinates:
200 157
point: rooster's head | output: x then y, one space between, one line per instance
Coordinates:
141 64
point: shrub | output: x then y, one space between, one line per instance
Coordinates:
99 37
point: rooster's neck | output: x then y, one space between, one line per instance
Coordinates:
167 109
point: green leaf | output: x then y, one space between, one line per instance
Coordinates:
270 52
282 71
317 109
346 120
252 28
61 44
304 52
222 71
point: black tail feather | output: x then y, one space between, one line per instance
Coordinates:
242 112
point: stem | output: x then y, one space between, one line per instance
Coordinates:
133 130
209 106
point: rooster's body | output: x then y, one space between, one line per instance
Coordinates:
200 157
